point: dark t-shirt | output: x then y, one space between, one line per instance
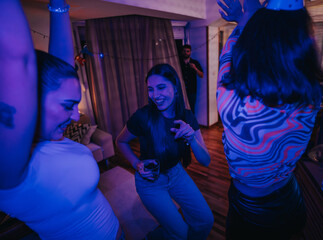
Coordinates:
138 126
189 75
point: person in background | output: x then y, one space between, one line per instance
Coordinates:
165 128
190 68
52 187
268 96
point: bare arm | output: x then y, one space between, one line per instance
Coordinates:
198 72
195 139
122 142
18 94
61 40
199 149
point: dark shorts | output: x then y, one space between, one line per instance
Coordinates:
278 215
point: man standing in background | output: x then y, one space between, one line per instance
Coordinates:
190 68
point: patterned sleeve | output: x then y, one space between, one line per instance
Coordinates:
226 54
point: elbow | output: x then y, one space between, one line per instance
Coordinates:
121 143
206 161
118 142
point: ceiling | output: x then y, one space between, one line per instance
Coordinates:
87 9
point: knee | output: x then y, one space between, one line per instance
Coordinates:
209 220
202 230
205 223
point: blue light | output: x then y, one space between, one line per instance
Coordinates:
101 55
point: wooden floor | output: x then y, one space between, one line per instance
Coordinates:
213 181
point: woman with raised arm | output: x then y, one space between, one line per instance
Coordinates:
165 129
268 97
18 94
53 190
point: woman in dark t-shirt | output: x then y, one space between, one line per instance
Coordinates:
165 129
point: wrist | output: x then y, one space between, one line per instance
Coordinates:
238 18
136 166
191 140
62 7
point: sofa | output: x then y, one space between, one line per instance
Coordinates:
98 141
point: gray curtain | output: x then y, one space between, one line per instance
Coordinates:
318 31
124 49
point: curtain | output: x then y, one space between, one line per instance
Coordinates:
318 32
124 49
85 105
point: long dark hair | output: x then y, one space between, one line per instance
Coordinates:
51 72
155 120
275 59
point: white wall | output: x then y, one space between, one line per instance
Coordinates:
211 14
213 66
194 8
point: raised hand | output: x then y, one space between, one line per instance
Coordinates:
192 65
231 10
184 131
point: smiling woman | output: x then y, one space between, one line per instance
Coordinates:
161 91
165 129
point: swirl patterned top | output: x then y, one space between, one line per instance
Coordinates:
262 144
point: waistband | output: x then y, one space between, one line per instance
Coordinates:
260 192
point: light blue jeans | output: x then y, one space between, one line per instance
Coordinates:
176 184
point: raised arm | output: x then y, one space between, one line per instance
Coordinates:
232 11
18 94
60 39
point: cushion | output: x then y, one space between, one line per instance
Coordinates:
87 137
96 151
76 131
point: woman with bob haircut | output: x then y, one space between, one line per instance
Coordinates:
52 186
268 97
165 128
